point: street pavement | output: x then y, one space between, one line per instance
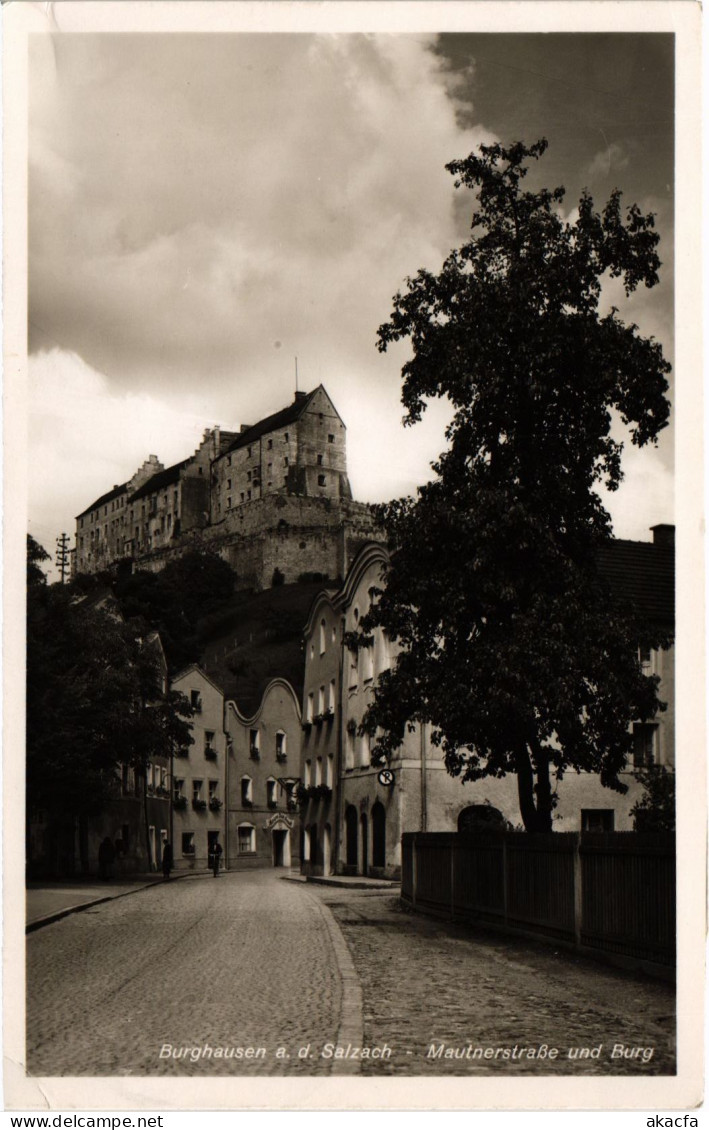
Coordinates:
217 970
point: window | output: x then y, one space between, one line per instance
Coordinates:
271 792
285 461
248 452
367 664
188 843
210 751
228 502
286 437
318 771
329 766
248 476
228 484
321 701
331 697
150 778
319 460
242 496
196 701
646 656
270 444
246 792
365 756
248 496
177 787
597 819
309 711
321 480
330 439
323 638
307 774
246 839
254 743
213 788
228 460
196 790
644 744
280 746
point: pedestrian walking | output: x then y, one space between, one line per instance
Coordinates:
166 859
106 856
216 857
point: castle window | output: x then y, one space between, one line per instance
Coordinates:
248 496
285 461
321 480
319 460
242 496
228 484
270 444
228 460
330 439
286 437
323 637
248 452
228 502
248 476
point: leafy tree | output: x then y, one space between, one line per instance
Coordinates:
93 702
36 556
655 811
175 601
512 645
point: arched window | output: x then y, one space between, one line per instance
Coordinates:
281 745
481 818
351 835
246 839
378 835
367 664
323 637
365 754
306 774
271 792
318 771
321 700
329 764
349 748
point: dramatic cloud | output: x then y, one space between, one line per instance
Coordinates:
205 208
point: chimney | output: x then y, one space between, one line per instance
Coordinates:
663 535
299 396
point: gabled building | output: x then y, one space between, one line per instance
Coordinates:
264 769
199 774
353 815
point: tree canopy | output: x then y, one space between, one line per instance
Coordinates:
93 701
512 646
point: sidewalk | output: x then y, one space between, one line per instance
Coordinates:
48 901
353 882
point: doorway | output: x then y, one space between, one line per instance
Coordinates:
281 847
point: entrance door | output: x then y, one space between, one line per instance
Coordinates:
326 868
281 848
151 842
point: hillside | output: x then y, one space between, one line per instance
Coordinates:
256 638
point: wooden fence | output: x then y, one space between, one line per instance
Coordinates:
603 893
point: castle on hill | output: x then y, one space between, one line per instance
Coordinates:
273 500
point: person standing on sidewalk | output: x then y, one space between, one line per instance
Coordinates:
216 857
166 859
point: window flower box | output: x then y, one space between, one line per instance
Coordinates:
188 850
210 753
180 803
254 753
199 805
214 804
319 719
273 804
281 757
319 792
307 725
182 751
246 803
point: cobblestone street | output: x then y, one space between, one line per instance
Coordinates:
249 961
430 983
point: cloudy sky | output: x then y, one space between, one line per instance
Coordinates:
205 208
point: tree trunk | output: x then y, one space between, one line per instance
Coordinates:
534 799
542 789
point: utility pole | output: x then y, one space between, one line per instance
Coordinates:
62 559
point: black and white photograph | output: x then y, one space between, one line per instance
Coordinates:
352 436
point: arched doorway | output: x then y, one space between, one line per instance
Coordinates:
351 836
379 821
481 818
364 824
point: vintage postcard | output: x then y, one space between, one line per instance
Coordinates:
315 799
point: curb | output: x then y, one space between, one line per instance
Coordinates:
351 1026
57 915
371 885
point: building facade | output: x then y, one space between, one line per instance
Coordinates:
353 816
273 500
199 775
264 769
